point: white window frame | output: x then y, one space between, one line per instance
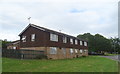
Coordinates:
53 37
53 50
71 51
81 43
23 38
32 37
85 50
64 39
81 50
64 50
85 43
71 41
14 47
76 41
76 50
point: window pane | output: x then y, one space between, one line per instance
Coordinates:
76 42
53 50
64 39
80 42
85 43
54 37
24 38
71 41
71 50
81 50
33 37
64 50
76 51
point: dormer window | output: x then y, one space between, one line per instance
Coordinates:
53 37
76 42
32 37
64 39
71 41
23 38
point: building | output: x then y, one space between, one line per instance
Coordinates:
14 45
56 45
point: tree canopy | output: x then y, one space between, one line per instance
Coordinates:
4 43
99 43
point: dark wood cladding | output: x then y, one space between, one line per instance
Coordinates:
39 38
42 39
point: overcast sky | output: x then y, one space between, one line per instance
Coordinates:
72 17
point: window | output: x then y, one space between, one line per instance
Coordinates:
64 50
76 51
32 37
81 50
85 43
85 50
71 50
23 38
14 47
80 42
71 41
53 50
53 37
76 42
64 39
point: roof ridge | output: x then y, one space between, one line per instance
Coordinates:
46 29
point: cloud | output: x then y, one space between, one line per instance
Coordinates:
72 17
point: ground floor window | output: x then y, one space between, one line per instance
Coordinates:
85 51
53 50
14 47
71 51
76 51
81 51
64 50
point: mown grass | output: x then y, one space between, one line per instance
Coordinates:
82 64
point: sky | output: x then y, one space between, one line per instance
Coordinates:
72 17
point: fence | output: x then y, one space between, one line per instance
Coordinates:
23 54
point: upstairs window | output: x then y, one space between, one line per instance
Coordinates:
81 43
32 37
76 51
64 39
23 38
85 43
53 50
76 42
53 37
71 41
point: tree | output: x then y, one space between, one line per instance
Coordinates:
90 39
4 43
96 42
115 43
102 43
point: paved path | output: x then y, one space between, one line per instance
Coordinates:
115 57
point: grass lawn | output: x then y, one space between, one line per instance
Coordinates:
82 64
